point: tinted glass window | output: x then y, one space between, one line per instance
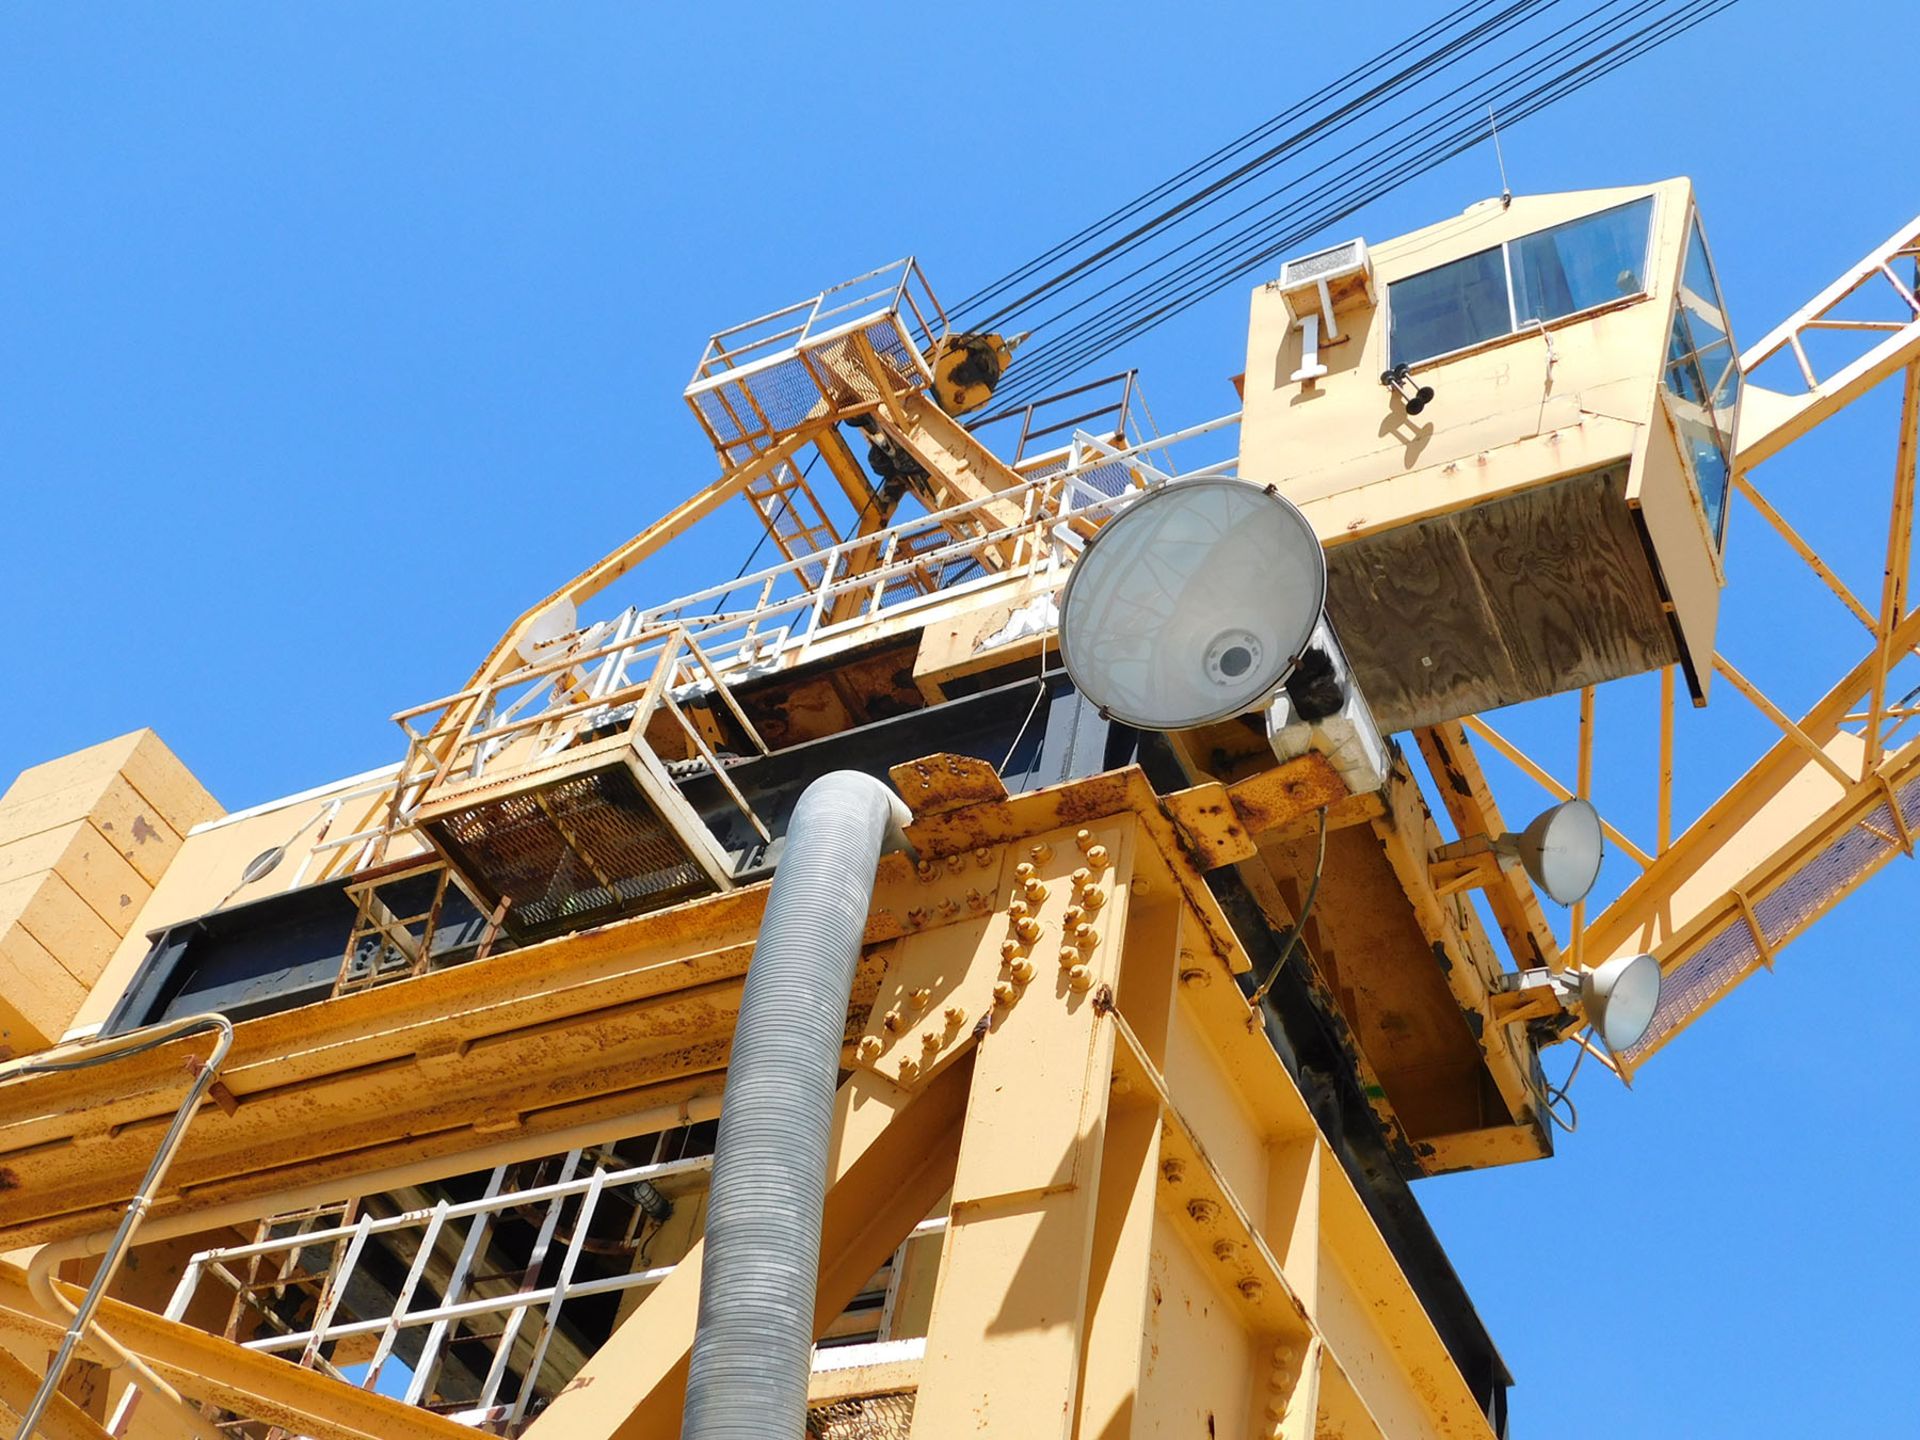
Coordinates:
1700 296
1594 260
1450 308
1591 261
1703 381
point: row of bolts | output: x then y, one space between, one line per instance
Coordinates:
1016 960
1025 931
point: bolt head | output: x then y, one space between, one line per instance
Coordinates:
1004 992
870 1048
1027 928
1080 977
1174 1171
1022 969
1083 838
1252 1288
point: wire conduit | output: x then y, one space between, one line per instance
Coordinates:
753 1341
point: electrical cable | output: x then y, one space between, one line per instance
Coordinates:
1459 139
1338 120
1238 175
1553 74
1556 1097
1241 142
1040 693
1300 921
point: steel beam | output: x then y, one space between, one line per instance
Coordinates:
206 1368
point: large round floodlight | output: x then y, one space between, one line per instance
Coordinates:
1562 850
1619 999
1192 604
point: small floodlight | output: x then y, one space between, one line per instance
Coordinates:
1193 604
1400 380
1619 998
1561 850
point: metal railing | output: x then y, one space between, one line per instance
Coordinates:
526 1312
839 310
622 671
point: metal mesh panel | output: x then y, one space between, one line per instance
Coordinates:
775 399
1731 954
866 1417
572 853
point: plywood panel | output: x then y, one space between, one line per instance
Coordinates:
1534 594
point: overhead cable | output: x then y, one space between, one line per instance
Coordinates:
1185 264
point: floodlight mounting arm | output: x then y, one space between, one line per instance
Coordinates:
611 567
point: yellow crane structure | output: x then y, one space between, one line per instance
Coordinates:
394 1107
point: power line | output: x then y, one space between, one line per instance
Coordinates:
1121 319
1242 173
1380 162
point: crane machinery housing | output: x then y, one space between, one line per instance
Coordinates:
857 996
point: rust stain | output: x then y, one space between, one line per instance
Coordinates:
8 1180
142 831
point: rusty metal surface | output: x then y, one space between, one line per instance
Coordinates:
207 1368
939 783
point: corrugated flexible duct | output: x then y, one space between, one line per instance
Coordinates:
753 1344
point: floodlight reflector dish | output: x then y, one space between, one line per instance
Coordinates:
1619 999
556 621
1193 604
1562 850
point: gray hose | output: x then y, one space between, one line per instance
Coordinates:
753 1345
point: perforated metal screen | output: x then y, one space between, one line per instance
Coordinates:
1732 953
749 408
571 853
867 1417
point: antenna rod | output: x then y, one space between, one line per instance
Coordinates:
1506 190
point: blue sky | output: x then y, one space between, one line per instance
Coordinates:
330 336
